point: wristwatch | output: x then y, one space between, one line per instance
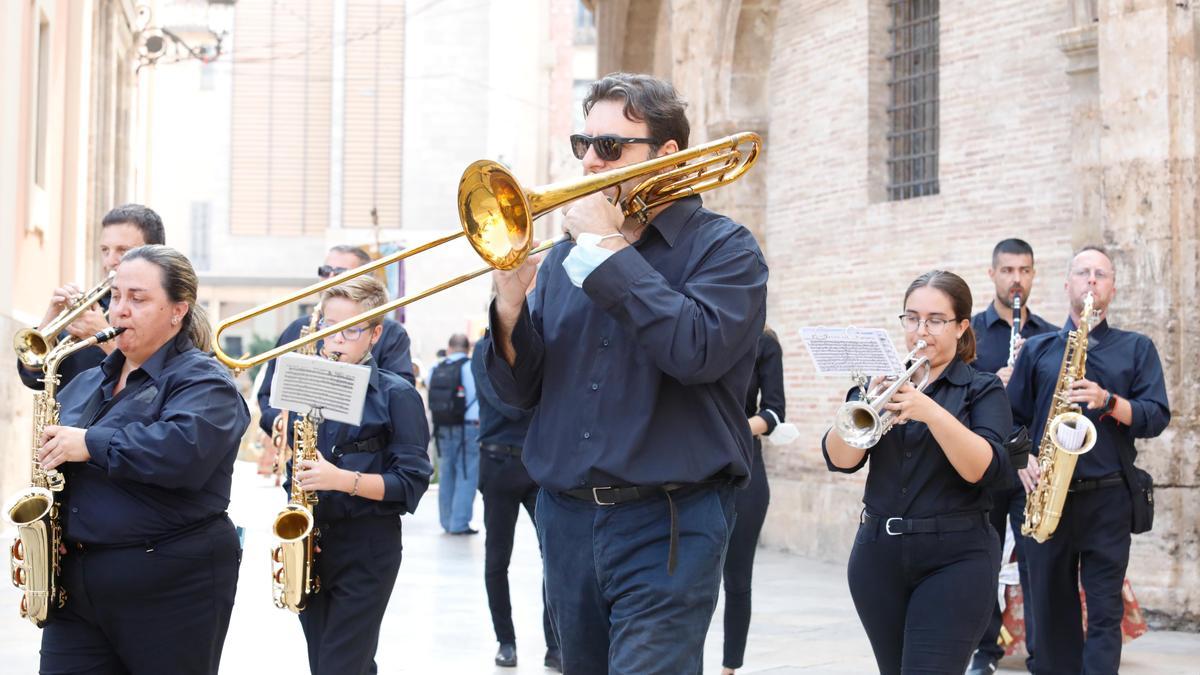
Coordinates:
1110 404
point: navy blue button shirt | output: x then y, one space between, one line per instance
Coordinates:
910 475
394 413
640 377
162 451
1122 362
765 396
72 366
499 422
391 353
992 336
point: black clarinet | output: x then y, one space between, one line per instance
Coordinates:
1016 329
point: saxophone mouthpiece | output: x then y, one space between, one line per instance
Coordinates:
108 334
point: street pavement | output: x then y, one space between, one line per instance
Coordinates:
438 622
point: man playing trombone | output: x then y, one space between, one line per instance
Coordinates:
636 348
122 229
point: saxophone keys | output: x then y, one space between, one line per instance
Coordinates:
17 551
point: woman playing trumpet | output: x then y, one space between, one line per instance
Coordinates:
923 568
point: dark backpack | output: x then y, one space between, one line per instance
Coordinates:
447 398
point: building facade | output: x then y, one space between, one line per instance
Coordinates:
904 136
74 132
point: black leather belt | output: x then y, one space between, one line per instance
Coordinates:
611 496
511 450
1088 484
956 522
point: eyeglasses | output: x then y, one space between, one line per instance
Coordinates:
935 325
348 334
326 271
608 147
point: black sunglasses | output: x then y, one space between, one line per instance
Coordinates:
608 147
326 271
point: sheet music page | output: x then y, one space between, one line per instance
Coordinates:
837 351
303 382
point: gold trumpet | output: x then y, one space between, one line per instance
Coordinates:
497 217
33 344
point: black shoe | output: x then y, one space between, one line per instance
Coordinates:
553 660
466 531
506 656
982 664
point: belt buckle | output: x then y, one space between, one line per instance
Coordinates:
887 526
596 496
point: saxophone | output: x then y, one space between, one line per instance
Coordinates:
1068 435
293 579
34 554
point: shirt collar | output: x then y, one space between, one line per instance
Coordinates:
991 316
154 366
671 220
1096 333
957 373
456 356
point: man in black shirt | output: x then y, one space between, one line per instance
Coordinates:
1012 272
1124 395
505 486
122 229
636 348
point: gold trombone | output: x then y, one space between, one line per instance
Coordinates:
497 217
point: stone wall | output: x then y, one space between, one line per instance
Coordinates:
1060 122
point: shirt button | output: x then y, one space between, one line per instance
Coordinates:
604 342
908 454
903 490
74 509
587 434
595 386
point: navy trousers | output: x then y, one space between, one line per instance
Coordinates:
357 566
133 610
924 599
506 487
617 609
751 503
1008 505
1090 546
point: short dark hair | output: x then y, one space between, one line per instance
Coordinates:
647 99
356 251
1012 247
959 293
460 342
141 217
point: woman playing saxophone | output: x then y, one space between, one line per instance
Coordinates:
147 442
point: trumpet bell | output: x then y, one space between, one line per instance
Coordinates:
858 425
495 214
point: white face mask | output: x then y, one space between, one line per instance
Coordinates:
584 257
783 434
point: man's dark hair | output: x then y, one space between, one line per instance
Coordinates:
356 251
141 217
1012 247
647 99
460 342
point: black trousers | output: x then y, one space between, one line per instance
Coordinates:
1091 545
751 507
130 610
924 599
357 566
1008 505
505 486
